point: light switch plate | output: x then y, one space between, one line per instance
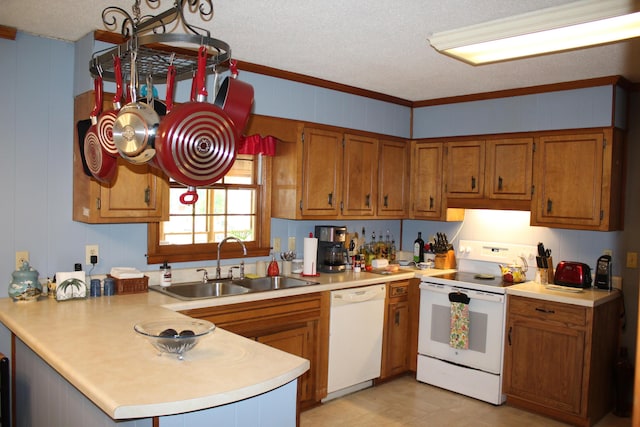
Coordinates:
291 244
277 246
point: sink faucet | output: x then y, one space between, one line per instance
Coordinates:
205 275
244 250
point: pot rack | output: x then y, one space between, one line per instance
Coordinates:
155 47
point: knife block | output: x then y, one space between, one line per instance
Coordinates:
550 270
445 261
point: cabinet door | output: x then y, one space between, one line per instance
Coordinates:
322 172
294 341
465 169
393 179
427 180
133 193
360 175
509 168
568 183
544 364
397 333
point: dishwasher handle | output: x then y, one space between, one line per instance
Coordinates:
357 296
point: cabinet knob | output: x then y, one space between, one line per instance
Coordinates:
386 200
431 201
330 199
500 183
367 200
473 182
397 319
549 205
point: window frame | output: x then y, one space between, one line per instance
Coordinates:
157 254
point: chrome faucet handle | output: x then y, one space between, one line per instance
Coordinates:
205 275
230 273
218 273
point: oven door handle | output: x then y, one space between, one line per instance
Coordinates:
473 294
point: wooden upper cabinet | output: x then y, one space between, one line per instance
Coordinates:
321 172
465 169
427 180
393 178
579 180
360 175
138 193
509 165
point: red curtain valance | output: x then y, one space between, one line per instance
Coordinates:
255 144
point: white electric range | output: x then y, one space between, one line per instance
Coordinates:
475 370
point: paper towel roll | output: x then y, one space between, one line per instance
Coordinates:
310 256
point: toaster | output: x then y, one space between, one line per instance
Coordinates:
573 274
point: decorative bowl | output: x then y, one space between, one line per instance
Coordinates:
174 336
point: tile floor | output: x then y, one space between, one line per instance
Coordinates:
406 402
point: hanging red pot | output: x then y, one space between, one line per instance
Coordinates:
196 141
102 166
235 97
108 118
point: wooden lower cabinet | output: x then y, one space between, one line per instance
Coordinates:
298 325
398 347
559 358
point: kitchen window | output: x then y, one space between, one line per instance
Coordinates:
236 205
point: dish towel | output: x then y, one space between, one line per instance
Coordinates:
459 325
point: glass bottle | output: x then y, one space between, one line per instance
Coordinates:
418 249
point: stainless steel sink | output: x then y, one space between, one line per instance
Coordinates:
200 290
271 283
225 287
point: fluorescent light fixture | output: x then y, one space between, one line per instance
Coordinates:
573 25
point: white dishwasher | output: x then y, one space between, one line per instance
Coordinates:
355 338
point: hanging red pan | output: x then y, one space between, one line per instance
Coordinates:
108 118
235 97
196 141
102 166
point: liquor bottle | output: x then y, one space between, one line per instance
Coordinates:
418 249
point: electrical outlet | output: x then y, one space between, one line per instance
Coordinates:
632 259
21 257
89 251
276 245
291 244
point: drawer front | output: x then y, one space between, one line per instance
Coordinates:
548 310
398 289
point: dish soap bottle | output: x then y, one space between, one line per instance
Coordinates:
273 269
165 280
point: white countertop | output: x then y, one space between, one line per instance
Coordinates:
92 344
590 297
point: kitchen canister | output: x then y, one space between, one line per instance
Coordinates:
94 288
109 286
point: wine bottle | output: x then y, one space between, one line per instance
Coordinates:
418 249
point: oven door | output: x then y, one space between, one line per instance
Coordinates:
486 327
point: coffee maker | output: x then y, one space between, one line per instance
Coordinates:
331 248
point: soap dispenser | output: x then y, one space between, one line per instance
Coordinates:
273 269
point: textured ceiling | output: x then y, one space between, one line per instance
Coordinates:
375 45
